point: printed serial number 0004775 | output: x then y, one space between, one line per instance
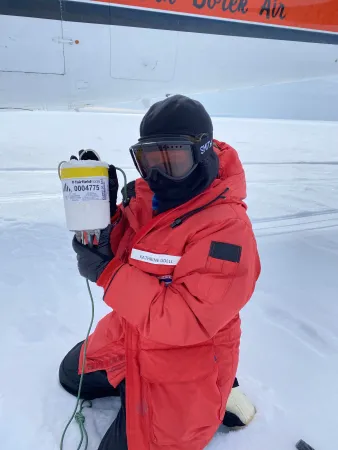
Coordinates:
87 187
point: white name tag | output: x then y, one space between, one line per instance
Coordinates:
153 258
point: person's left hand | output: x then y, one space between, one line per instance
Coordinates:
92 261
86 155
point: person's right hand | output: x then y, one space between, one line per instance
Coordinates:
92 261
91 155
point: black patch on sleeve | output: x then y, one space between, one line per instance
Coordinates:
226 252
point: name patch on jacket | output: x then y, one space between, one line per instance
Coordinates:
153 258
225 252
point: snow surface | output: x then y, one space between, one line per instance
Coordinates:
289 350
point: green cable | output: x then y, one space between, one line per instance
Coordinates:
79 417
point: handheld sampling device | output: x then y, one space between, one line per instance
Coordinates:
85 186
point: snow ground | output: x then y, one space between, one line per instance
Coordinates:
289 351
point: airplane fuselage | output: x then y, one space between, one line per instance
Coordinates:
73 54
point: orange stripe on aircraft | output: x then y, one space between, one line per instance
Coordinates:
320 15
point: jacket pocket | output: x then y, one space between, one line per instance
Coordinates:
182 393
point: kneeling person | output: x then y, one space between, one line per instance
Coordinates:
177 264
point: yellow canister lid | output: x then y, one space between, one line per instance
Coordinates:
83 172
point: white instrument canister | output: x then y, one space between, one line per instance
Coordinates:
85 194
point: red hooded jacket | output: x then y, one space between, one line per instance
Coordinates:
176 286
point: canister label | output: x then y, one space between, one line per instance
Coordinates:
85 189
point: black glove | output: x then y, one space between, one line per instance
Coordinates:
113 188
86 155
91 155
92 261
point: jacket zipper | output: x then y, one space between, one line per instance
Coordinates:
177 222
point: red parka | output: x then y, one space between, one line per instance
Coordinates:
176 286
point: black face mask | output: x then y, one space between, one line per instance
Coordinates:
170 194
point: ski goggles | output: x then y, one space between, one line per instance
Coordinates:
175 157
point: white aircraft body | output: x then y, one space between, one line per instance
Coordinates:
77 54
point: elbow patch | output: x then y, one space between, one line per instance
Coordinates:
225 251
